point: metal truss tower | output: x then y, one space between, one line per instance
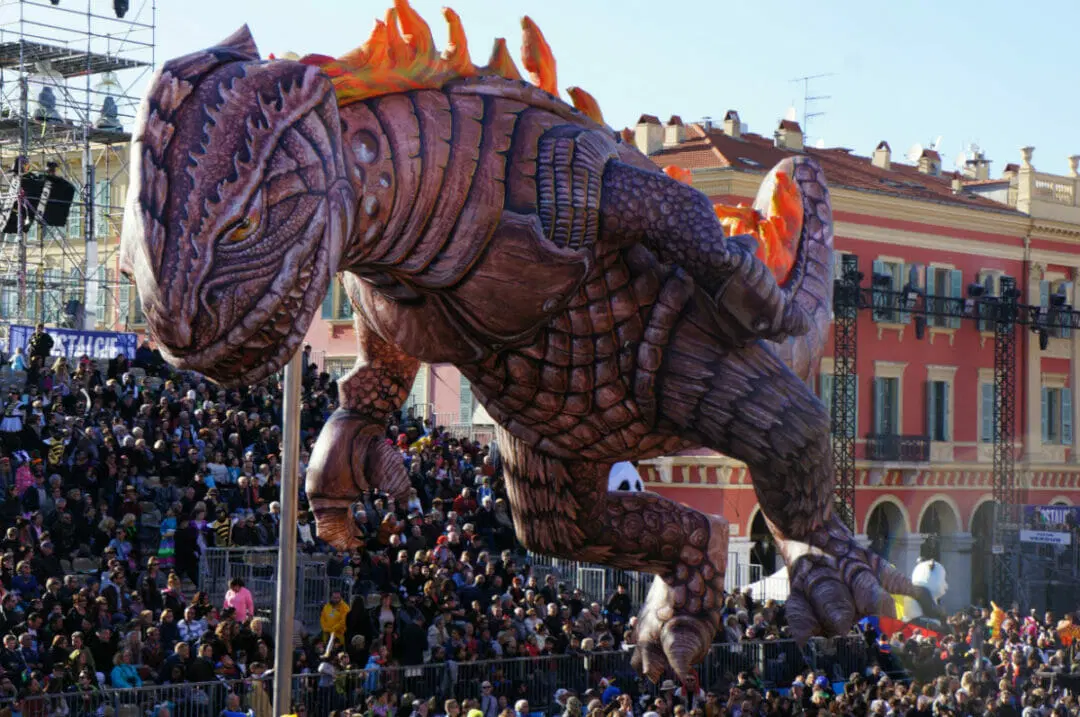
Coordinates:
1006 498
845 386
70 73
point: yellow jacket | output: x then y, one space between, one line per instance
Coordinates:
332 620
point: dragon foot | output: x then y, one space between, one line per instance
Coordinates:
350 457
681 614
835 582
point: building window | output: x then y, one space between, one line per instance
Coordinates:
1057 415
466 405
826 384
417 401
944 292
991 281
937 410
338 367
336 306
1060 288
886 406
888 297
986 412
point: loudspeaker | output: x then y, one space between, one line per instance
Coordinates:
47 195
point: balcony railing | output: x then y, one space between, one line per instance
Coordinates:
899 449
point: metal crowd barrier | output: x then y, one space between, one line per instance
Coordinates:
534 678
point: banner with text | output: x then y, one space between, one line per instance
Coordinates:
1049 517
1045 537
74 344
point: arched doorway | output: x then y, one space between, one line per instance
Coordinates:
762 546
938 519
982 530
883 526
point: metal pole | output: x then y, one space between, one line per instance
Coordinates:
286 587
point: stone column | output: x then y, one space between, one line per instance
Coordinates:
956 557
905 552
738 567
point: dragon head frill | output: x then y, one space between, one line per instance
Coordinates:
238 208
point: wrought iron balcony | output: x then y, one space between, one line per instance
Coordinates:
897 449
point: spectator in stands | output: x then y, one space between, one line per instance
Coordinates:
239 599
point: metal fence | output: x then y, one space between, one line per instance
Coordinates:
534 679
598 582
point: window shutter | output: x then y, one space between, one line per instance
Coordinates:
328 303
932 304
987 435
1066 417
1045 416
945 422
1044 294
826 388
1066 329
956 285
899 281
879 311
931 413
879 405
465 405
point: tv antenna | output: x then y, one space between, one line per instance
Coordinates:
808 98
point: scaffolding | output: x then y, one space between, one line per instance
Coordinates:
71 72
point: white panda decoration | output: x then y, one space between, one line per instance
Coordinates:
624 477
928 574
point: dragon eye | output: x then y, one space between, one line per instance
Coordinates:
240 231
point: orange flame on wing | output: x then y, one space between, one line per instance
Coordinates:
777 230
401 56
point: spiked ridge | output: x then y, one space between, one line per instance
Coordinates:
401 56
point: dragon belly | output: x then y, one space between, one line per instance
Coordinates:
570 391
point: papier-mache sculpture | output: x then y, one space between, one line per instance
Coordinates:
598 306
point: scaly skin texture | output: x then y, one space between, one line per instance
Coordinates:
594 303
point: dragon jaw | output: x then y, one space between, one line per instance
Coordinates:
238 208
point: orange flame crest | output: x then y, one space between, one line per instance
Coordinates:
401 56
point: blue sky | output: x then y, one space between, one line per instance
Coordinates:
995 72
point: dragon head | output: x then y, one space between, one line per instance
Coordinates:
237 210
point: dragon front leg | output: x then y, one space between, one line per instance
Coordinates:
746 403
351 454
680 225
564 509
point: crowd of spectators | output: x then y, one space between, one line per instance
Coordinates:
137 470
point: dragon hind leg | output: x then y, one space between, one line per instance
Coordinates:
564 509
746 403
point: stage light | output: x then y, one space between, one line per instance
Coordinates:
920 327
1044 339
882 281
121 7
976 291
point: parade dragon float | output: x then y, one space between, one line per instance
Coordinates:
602 309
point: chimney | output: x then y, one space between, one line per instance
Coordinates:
789 136
1011 170
930 162
732 126
977 168
957 184
882 156
674 132
649 135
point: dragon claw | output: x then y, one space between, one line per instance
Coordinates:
670 637
835 582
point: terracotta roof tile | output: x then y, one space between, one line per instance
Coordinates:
791 125
648 119
675 120
754 153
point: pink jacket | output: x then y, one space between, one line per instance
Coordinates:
242 602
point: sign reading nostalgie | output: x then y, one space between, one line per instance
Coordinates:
74 344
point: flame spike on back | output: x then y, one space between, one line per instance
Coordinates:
457 51
401 56
586 103
537 57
